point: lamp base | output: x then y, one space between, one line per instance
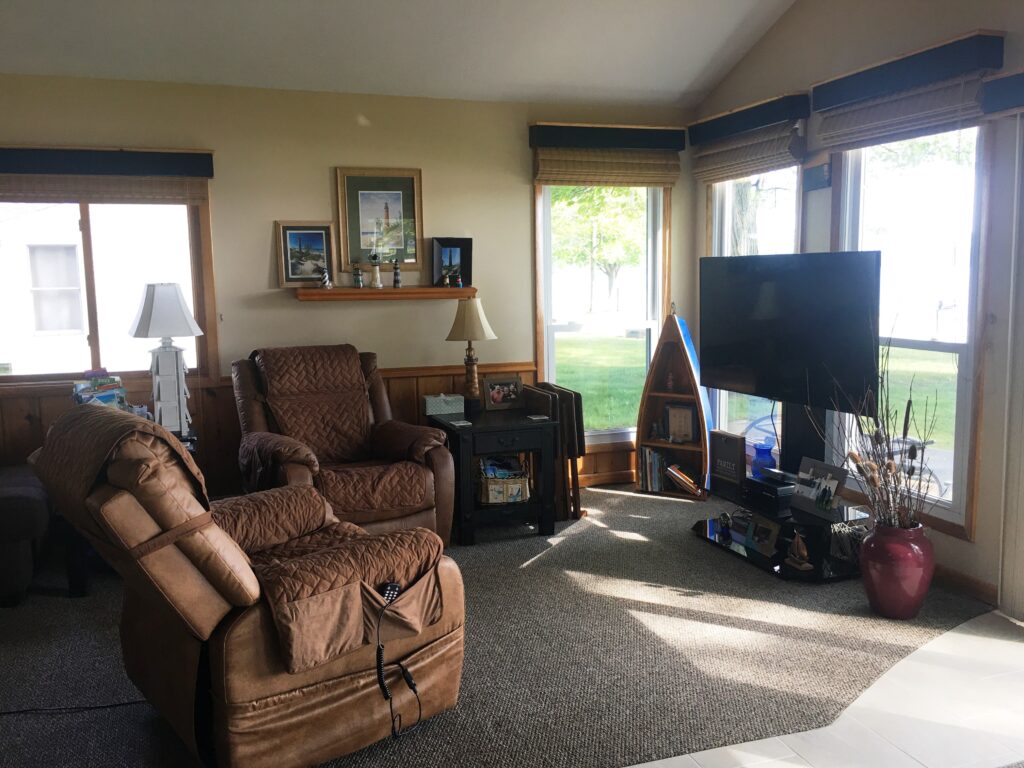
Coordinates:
471 391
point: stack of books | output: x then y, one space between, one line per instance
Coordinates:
101 388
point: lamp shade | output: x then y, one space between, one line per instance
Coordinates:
470 322
163 313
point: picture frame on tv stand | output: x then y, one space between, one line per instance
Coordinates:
453 256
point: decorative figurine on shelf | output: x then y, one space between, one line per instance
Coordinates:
670 382
396 273
325 279
374 258
445 282
458 281
357 276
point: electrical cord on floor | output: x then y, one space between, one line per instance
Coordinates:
69 710
390 593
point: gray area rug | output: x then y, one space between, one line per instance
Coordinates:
621 640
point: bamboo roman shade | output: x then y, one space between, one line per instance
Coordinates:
944 106
29 174
757 151
46 188
606 167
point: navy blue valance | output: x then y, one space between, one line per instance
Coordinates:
796 106
973 53
105 162
566 136
1004 93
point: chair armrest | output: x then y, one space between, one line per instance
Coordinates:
398 441
262 456
258 521
440 462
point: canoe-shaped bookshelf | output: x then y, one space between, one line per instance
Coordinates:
673 432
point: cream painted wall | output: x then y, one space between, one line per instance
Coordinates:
274 152
819 39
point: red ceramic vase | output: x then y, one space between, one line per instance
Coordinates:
897 565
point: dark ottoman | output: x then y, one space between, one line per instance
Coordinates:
24 515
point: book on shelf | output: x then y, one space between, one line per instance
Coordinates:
682 481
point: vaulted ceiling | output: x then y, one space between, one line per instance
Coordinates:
665 52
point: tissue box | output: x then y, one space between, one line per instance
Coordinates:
443 404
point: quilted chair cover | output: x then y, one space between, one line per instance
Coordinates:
318 397
248 623
131 489
320 415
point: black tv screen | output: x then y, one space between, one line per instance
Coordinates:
799 328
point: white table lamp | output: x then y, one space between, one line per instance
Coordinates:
471 325
163 315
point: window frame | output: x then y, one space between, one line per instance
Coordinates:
715 206
846 231
658 294
200 252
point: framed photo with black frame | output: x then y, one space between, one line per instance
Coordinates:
380 212
304 250
453 257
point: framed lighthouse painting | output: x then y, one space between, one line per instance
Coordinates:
380 214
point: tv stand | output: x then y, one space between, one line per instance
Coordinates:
803 429
795 545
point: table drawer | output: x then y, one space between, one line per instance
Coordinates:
530 440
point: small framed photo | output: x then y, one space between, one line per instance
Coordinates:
681 423
453 257
502 393
304 250
380 213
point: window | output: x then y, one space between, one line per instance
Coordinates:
602 276
56 287
59 258
752 216
914 201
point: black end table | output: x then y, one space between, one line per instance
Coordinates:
495 432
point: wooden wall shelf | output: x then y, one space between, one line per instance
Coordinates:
412 293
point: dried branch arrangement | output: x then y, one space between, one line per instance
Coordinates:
885 445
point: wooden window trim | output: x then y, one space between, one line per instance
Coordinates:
539 350
203 298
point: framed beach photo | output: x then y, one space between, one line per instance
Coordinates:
380 213
304 250
502 392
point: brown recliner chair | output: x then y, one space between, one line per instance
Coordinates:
250 623
321 415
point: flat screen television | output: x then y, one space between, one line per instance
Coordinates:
799 328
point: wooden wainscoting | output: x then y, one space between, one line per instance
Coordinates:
28 409
608 464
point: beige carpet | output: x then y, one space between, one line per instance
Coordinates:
621 640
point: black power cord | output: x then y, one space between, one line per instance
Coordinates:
390 592
70 710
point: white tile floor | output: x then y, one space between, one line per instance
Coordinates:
957 702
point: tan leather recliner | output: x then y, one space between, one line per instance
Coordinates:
321 415
250 623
